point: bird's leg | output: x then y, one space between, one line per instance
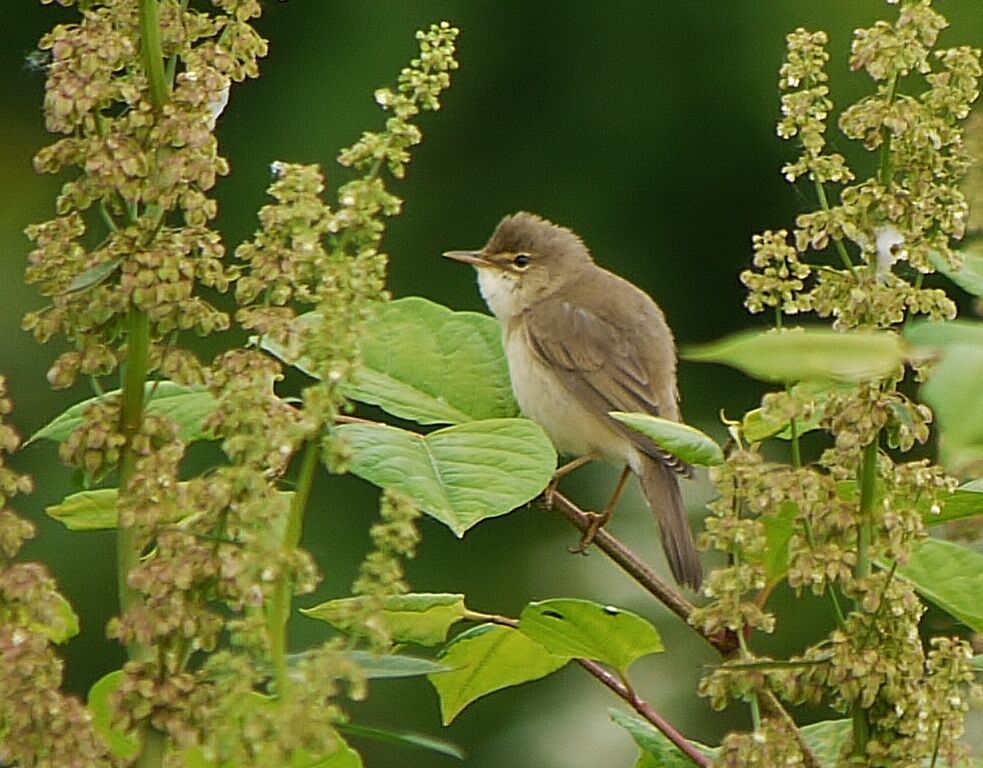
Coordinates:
562 472
599 521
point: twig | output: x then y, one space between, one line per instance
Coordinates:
623 691
667 594
772 707
726 644
646 710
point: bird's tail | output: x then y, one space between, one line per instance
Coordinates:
661 487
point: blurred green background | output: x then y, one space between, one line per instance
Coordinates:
648 127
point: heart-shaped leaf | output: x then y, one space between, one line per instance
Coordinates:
423 362
488 658
188 406
459 475
584 629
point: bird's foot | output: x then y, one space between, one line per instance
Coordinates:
597 521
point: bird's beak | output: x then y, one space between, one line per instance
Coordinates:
474 258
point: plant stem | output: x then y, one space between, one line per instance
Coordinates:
837 242
152 52
668 595
772 707
278 615
885 172
868 486
796 451
646 710
755 706
131 417
622 689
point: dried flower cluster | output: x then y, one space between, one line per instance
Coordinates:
820 525
39 724
906 213
208 565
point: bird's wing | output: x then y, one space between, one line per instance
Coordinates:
604 367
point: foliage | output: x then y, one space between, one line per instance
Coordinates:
209 566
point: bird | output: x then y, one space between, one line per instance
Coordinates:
581 342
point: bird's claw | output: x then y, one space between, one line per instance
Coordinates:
597 521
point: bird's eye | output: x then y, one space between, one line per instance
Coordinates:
521 260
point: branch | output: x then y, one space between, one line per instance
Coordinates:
661 589
624 692
647 711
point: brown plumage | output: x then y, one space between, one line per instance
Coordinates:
581 342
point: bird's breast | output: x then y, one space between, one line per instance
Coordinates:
571 425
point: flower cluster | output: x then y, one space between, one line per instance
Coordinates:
141 144
909 211
40 725
820 525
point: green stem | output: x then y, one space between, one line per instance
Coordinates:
131 417
840 248
885 173
861 730
868 487
755 705
796 451
152 52
278 615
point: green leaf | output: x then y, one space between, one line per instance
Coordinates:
422 618
799 354
826 738
935 334
378 666
93 276
488 658
96 510
459 475
778 532
59 623
343 757
954 390
949 575
188 406
965 501
87 510
978 662
756 426
423 362
584 629
969 276
652 742
404 738
682 440
123 745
